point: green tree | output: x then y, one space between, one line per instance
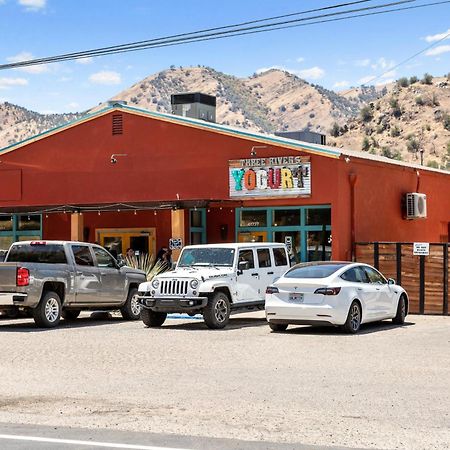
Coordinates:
403 82
427 78
366 113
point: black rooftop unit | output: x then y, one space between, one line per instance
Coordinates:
305 136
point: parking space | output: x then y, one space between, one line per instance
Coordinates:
387 387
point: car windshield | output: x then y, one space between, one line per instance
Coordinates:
313 271
197 257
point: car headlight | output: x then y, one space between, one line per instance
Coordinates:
155 284
194 284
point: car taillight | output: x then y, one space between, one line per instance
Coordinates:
272 290
38 243
23 276
328 291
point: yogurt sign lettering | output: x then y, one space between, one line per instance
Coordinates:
280 176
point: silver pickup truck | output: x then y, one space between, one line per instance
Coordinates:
51 279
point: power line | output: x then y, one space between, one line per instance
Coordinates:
203 35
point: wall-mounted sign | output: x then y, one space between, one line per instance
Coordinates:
288 242
175 244
278 176
421 248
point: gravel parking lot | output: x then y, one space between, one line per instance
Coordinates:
388 387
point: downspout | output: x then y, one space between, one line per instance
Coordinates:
418 181
352 177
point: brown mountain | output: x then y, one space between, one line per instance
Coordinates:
276 100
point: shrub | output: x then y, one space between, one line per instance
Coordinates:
419 101
366 113
365 144
427 79
413 79
412 144
396 110
428 127
434 100
395 131
433 164
335 130
393 154
296 106
403 82
446 121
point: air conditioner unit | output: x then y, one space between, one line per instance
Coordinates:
416 205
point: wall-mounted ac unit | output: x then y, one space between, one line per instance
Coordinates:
416 205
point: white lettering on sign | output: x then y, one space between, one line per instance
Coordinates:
175 244
421 248
281 176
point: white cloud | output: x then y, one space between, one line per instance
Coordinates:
33 5
367 79
388 81
362 62
85 61
341 84
7 83
390 74
106 77
314 73
383 64
300 59
438 50
26 56
266 69
73 105
437 37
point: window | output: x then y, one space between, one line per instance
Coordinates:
374 276
82 255
48 254
319 216
6 223
26 223
286 217
313 271
253 218
264 257
355 275
104 259
280 257
247 255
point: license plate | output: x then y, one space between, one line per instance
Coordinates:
296 297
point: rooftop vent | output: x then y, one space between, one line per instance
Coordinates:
195 105
304 136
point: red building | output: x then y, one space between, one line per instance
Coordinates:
127 177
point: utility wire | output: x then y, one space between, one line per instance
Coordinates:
201 35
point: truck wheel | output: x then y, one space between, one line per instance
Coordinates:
278 326
48 313
70 314
216 313
131 309
152 319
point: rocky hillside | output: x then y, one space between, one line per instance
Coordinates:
410 122
398 120
271 101
17 123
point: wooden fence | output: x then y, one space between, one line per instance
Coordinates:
425 278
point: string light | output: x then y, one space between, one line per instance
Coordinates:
99 213
135 212
154 212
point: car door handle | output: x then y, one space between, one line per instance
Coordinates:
360 289
254 274
269 273
79 273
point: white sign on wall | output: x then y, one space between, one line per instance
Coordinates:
421 248
175 244
278 176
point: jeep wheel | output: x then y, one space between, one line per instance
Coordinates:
131 309
216 313
48 313
278 326
152 319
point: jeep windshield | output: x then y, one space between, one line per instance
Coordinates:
204 257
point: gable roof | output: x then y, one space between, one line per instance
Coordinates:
276 141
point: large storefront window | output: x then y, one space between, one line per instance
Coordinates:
305 230
197 226
19 228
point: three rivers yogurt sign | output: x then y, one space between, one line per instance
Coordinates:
278 176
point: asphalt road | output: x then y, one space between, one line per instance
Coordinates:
184 386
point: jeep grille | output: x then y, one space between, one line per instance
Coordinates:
174 287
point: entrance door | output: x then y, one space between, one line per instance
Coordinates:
292 239
252 236
118 240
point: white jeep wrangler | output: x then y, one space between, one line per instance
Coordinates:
214 280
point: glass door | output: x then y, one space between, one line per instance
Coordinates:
118 241
252 236
292 239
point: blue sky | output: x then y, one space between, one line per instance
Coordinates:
335 55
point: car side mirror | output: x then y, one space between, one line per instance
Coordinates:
121 263
391 281
243 265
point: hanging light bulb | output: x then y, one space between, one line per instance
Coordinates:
154 212
99 213
135 212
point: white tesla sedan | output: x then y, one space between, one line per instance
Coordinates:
334 293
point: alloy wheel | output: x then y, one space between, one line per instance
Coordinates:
52 310
221 310
355 317
135 306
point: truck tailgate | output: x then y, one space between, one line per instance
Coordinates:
8 274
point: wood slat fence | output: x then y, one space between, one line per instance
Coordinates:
425 278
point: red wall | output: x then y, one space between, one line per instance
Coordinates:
166 161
